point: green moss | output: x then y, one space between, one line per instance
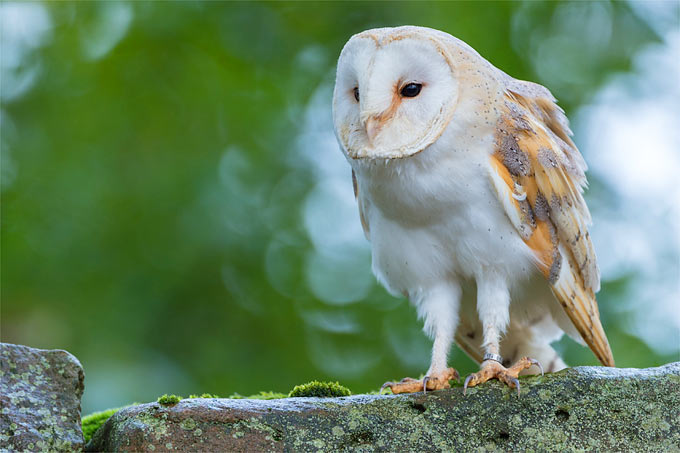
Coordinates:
169 400
92 422
320 390
203 395
259 396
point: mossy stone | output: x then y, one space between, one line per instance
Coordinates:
578 409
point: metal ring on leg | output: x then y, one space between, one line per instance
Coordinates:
494 357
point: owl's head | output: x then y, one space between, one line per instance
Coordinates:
395 91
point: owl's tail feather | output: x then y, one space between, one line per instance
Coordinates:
579 303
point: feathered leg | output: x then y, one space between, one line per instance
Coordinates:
493 306
439 308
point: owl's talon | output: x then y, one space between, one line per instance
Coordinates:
538 364
385 385
434 381
516 382
465 386
494 370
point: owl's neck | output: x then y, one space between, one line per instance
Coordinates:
433 183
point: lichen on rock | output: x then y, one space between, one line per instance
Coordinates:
40 393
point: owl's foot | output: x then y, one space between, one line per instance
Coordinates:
492 369
434 381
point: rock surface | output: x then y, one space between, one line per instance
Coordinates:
578 409
40 394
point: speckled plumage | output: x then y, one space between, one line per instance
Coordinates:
473 182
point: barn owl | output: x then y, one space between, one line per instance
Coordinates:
469 190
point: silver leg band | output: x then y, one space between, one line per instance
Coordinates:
494 357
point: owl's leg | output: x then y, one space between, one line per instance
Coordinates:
493 306
439 308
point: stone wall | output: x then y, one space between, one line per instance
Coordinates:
579 409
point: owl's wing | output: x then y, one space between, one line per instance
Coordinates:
362 216
539 176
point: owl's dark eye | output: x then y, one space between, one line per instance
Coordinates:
356 93
411 90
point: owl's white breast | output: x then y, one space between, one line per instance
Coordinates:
434 217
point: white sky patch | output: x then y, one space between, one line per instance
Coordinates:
108 29
661 15
24 27
331 216
635 119
334 321
339 279
630 133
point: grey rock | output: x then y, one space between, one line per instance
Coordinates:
578 409
40 393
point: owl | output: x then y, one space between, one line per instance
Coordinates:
469 190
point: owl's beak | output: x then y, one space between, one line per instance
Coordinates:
372 125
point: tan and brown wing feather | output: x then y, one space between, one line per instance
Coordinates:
539 176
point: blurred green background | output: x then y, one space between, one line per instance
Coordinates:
177 214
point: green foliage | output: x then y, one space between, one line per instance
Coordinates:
169 400
93 421
319 390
